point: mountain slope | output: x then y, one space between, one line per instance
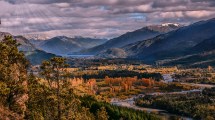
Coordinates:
65 45
173 44
113 53
206 45
203 59
34 55
132 37
3 34
203 54
25 44
37 56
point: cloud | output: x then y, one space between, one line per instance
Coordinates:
101 18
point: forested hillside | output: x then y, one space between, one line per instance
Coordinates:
50 96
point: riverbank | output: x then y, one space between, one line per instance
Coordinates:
130 103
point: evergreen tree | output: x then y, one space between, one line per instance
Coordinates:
48 96
66 104
37 105
102 114
13 76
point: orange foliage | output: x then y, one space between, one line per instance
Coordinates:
91 83
147 82
126 83
76 81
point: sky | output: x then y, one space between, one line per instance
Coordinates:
97 18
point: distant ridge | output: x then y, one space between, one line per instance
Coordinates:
132 37
34 55
194 41
66 45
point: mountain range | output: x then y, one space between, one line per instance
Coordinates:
66 45
166 44
132 37
34 55
38 48
36 36
173 47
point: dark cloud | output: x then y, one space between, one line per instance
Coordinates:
38 1
102 18
169 3
211 3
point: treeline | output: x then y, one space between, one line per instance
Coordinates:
100 62
176 87
127 83
195 105
50 97
123 73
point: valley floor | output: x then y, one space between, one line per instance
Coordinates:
126 84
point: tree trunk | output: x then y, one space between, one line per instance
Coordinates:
58 95
58 101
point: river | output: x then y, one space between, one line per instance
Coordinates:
76 56
167 78
130 103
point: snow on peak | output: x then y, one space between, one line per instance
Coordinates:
36 36
169 24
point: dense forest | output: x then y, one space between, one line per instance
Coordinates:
48 95
195 105
124 73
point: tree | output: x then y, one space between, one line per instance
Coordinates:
13 76
102 114
61 101
54 72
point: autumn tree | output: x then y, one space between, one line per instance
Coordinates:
37 105
107 80
53 72
102 114
13 76
147 82
65 104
